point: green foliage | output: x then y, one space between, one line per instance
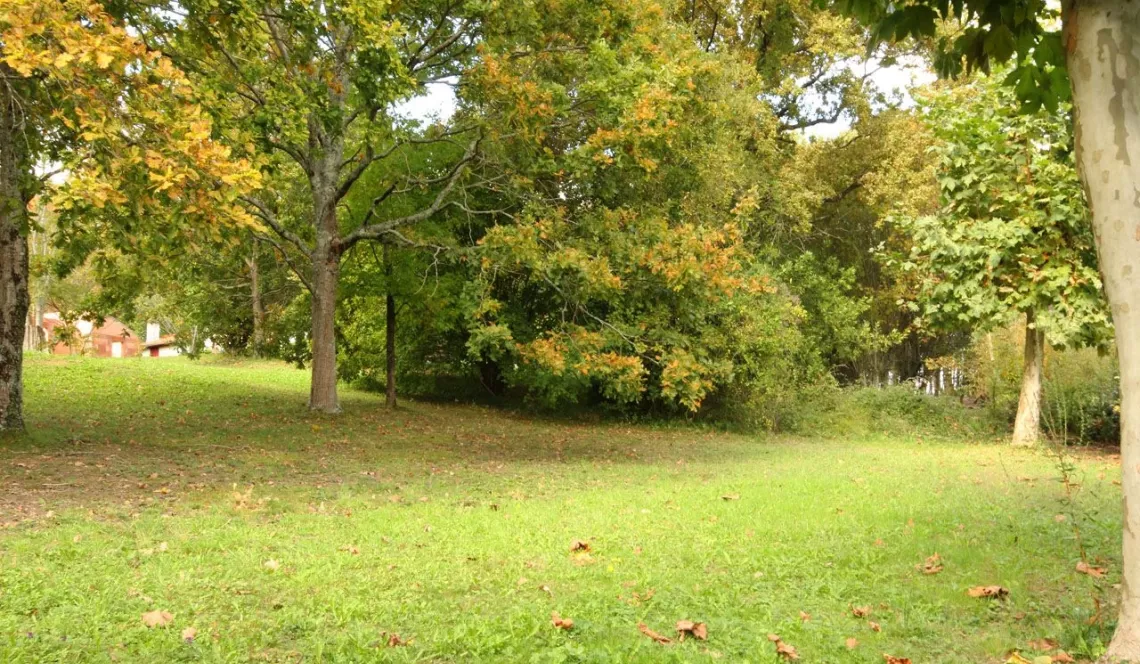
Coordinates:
1012 235
981 35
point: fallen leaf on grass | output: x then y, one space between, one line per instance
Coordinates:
891 659
350 550
188 634
579 546
996 592
785 650
1043 644
805 616
395 640
644 629
874 626
852 643
860 611
689 628
1016 658
560 622
1085 568
157 618
271 565
933 565
730 496
1062 657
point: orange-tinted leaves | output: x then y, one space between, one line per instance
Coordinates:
852 643
157 618
1085 568
891 659
580 546
644 629
785 650
875 627
933 565
994 592
860 611
689 628
560 622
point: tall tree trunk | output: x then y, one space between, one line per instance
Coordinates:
14 173
326 276
255 299
1102 39
1027 424
389 334
326 273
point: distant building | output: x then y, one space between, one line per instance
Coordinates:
158 344
111 339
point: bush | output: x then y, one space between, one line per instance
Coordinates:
895 410
1081 401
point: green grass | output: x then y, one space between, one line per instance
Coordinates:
124 498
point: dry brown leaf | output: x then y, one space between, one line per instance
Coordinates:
157 618
689 628
933 565
1043 644
395 640
852 643
860 611
560 622
1062 657
1085 568
1060 518
875 627
579 546
730 496
188 634
786 650
644 629
805 616
997 592
891 659
350 549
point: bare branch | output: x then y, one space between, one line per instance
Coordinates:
375 231
262 211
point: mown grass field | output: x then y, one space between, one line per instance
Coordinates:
207 491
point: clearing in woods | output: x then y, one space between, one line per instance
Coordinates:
443 533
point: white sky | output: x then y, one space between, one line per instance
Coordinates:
438 103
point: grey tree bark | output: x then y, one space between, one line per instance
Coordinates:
255 302
1102 40
14 172
1027 423
389 335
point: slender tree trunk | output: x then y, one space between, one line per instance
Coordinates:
255 299
326 276
326 272
13 263
1102 39
389 334
1027 424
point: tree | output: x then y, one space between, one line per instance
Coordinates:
1012 236
310 88
1095 60
81 96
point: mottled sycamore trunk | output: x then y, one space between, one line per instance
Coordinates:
13 263
1027 424
1102 40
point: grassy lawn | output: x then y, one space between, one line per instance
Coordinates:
206 490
